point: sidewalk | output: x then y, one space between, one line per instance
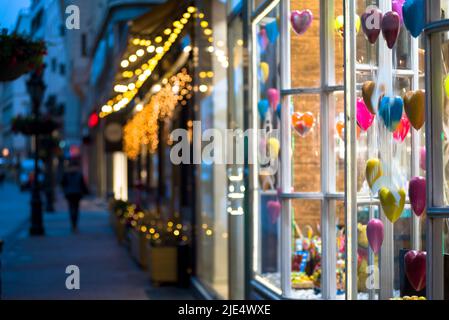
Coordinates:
34 268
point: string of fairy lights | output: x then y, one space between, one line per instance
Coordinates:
137 67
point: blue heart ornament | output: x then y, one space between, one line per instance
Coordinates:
278 110
272 31
414 14
263 107
390 110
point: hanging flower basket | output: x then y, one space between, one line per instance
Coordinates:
19 55
30 125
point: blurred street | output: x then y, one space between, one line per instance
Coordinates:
34 267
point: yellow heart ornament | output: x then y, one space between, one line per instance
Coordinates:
265 68
373 171
273 147
392 204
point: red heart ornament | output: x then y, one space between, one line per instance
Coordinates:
391 25
371 22
402 130
274 210
415 268
303 122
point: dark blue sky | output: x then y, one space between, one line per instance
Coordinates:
9 10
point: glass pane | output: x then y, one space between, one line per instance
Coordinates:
212 219
306 143
306 244
338 125
367 53
338 46
266 218
401 52
305 47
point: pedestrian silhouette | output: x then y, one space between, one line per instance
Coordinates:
74 189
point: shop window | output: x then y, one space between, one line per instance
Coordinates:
266 84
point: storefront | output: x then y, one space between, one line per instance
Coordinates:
325 197
336 194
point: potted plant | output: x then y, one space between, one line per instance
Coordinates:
19 55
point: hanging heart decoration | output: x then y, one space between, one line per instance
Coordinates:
414 14
371 22
364 117
303 122
391 25
414 107
422 158
273 147
265 70
390 111
367 93
417 195
263 107
402 130
273 97
301 20
375 234
340 128
339 25
396 6
392 203
274 210
446 86
415 268
272 31
263 39
373 171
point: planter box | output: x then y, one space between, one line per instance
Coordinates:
138 247
163 264
120 230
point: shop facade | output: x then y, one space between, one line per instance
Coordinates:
334 144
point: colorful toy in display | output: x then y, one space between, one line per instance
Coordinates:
373 171
390 110
415 268
263 107
414 107
422 158
396 6
340 128
375 234
263 39
273 147
301 20
392 202
367 93
273 97
272 31
414 14
364 117
274 210
446 86
417 195
402 130
339 24
371 22
303 122
391 25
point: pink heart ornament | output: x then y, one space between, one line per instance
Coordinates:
301 20
417 194
364 117
274 210
273 97
375 234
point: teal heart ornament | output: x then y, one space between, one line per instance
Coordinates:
272 31
263 107
390 111
278 110
414 14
